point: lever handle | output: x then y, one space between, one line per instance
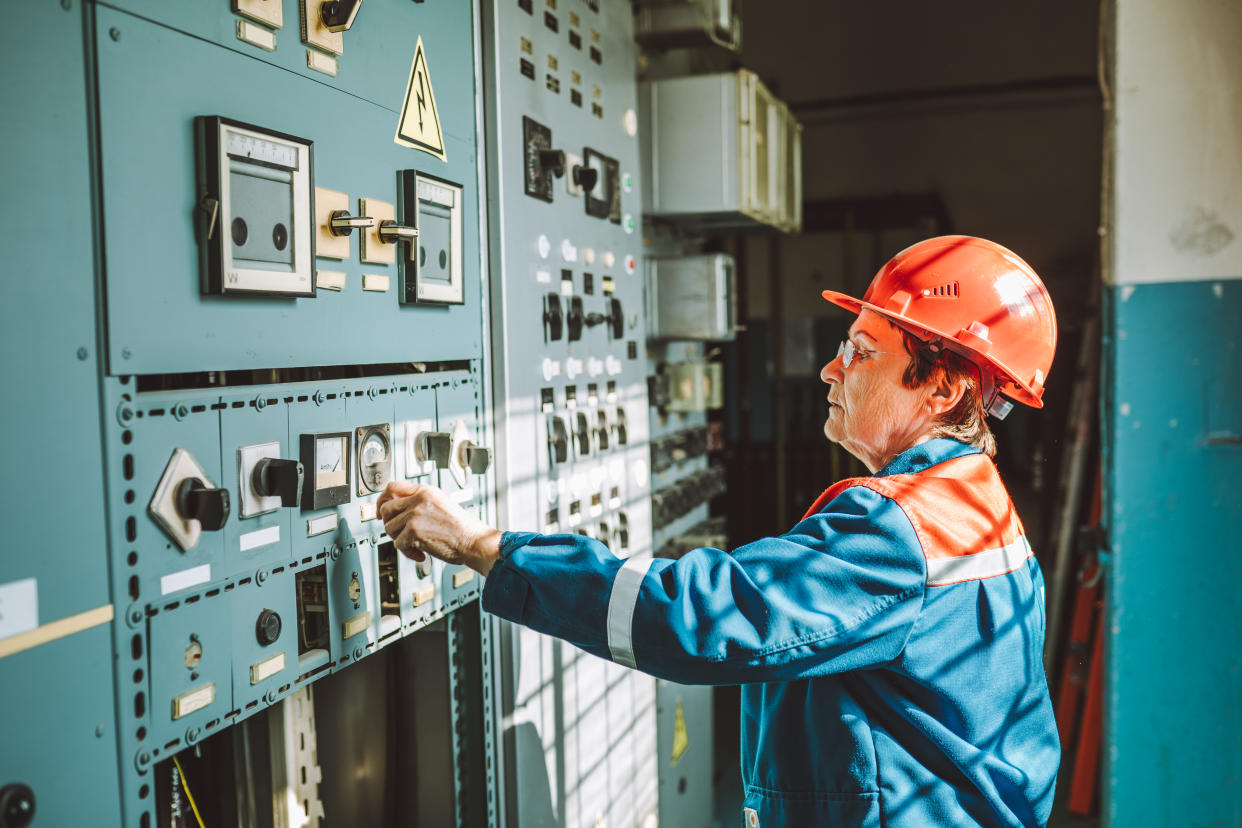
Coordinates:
391 232
476 458
437 446
338 15
341 223
553 161
585 177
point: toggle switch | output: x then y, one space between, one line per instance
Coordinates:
341 223
390 232
277 477
200 501
592 319
583 434
602 431
553 317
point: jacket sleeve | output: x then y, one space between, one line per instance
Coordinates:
840 591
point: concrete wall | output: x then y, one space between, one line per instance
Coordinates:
1173 416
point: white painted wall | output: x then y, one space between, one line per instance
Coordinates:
1178 141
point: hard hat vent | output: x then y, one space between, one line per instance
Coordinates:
945 291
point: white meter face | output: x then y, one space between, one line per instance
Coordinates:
330 468
255 210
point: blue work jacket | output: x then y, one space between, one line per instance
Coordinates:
889 645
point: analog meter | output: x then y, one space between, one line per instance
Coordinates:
256 230
434 272
374 458
327 456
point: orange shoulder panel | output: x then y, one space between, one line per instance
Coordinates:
958 507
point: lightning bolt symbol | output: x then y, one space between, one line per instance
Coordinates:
422 102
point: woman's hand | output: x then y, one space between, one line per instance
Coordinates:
421 520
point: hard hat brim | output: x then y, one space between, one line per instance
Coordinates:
1013 386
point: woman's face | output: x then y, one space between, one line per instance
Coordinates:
871 414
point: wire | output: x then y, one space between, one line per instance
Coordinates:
185 783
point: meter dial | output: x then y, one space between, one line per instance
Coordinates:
374 458
326 458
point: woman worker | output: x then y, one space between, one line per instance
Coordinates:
890 644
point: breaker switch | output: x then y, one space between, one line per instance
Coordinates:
341 223
574 318
602 431
267 627
274 477
339 15
592 319
553 317
196 500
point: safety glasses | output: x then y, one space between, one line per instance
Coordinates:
847 351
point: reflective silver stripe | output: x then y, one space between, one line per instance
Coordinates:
943 571
621 604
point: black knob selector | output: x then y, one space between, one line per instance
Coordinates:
267 627
574 318
553 161
553 317
198 501
583 435
17 806
558 440
273 477
616 318
338 15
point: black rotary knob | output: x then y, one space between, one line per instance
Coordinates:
553 160
616 318
273 477
585 177
267 628
197 500
17 806
553 318
574 318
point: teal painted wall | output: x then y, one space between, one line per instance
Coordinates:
1172 411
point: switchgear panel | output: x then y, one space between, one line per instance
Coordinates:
571 395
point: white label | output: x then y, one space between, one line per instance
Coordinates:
375 282
329 280
194 700
267 668
185 579
567 287
19 607
256 35
357 624
367 511
319 525
321 62
543 277
462 578
259 537
424 595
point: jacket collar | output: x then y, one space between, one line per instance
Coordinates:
925 455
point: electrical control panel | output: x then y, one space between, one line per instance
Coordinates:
272 307
570 371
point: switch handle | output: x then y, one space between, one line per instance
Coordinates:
338 15
439 447
390 232
553 161
198 501
593 319
585 177
477 458
341 223
274 477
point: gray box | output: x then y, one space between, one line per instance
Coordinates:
692 297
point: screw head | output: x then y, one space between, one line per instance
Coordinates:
66 4
126 353
82 353
115 34
260 577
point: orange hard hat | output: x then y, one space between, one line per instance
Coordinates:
976 298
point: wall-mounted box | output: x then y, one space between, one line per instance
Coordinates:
692 297
717 152
671 24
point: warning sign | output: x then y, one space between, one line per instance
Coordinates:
681 736
419 126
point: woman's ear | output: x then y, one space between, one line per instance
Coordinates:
945 394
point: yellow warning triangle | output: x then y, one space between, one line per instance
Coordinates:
419 126
681 736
